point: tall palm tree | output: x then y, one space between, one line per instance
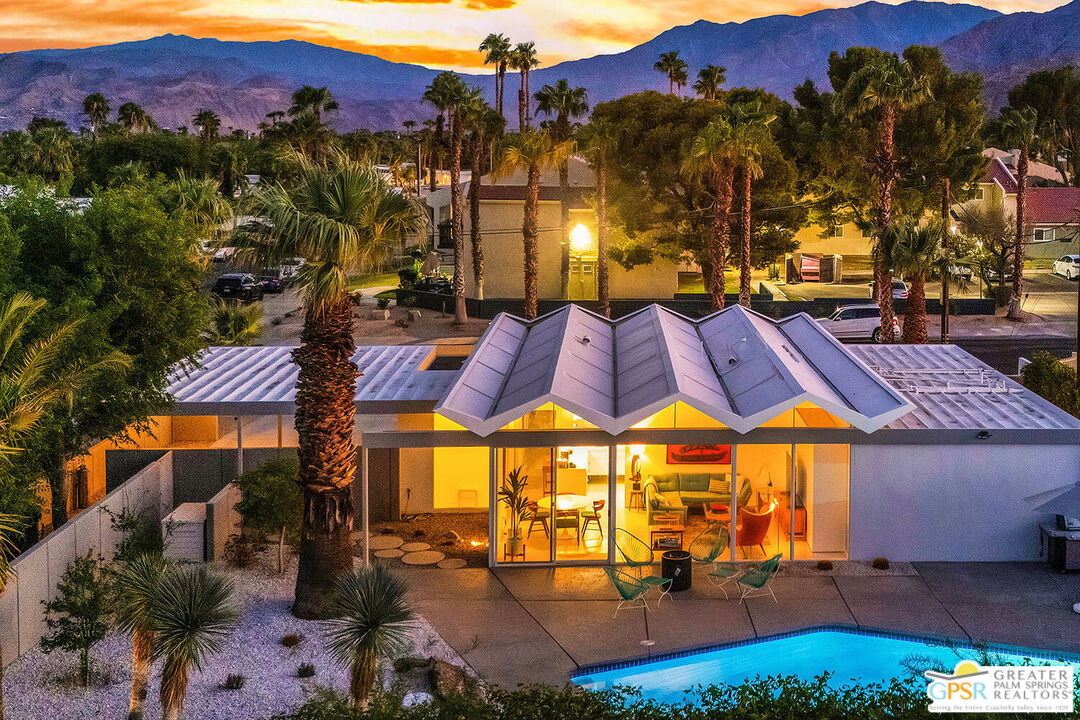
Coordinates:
341 217
196 200
600 142
672 67
133 118
96 109
713 155
9 528
136 587
496 48
440 94
192 612
208 123
485 125
535 151
709 80
523 59
750 134
312 101
1020 129
565 103
884 88
915 253
373 619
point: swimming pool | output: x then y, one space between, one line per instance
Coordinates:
853 657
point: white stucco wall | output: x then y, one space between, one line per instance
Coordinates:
950 502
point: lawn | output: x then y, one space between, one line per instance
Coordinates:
374 279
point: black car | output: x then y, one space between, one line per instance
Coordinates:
238 286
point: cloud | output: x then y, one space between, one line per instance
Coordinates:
614 33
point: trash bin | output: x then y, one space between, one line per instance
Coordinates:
678 566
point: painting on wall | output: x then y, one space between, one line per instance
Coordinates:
699 454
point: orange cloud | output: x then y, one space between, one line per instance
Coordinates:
608 32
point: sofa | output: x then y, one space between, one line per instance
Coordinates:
674 493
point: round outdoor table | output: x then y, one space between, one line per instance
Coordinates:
677 566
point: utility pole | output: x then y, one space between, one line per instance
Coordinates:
946 230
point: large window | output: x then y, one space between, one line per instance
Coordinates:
822 479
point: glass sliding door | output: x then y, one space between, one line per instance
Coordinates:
822 479
524 517
762 528
582 504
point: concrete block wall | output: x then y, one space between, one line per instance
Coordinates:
222 521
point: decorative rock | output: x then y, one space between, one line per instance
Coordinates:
379 314
414 546
410 662
384 542
388 553
451 563
447 679
416 698
424 557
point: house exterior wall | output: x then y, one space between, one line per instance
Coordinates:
952 502
852 243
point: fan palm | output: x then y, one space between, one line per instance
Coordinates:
234 324
196 200
523 59
96 109
1019 128
312 101
672 67
535 151
565 103
710 78
600 141
9 528
496 49
136 588
343 218
208 123
884 87
485 124
915 253
132 117
750 134
373 620
191 613
52 152
713 155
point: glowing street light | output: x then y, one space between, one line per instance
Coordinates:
580 239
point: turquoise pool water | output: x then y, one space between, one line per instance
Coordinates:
851 657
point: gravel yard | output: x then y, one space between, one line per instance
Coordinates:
39 686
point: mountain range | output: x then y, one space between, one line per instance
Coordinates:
173 76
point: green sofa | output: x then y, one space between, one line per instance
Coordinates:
674 493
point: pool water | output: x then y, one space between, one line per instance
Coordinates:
852 658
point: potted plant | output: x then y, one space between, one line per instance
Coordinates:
512 494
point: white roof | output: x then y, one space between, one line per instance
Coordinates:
736 366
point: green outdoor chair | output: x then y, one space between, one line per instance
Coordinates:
758 580
635 552
707 546
630 589
723 574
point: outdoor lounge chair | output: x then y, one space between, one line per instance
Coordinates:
635 552
723 574
631 590
758 580
707 546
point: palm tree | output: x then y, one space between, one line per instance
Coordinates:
565 103
710 78
533 150
208 123
600 141
915 253
523 59
373 619
885 87
9 528
235 324
96 109
496 49
342 217
440 94
672 67
312 101
52 152
136 587
713 156
196 200
191 614
682 76
485 124
750 134
1020 129
133 118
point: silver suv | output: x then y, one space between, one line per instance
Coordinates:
857 322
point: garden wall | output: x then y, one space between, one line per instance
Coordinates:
37 571
222 521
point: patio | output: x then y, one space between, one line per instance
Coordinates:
521 625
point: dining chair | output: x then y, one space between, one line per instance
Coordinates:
593 516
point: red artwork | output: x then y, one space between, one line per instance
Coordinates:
699 454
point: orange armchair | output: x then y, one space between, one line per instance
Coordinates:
752 528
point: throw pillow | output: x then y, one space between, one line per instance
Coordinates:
720 485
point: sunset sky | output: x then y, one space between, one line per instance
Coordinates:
438 33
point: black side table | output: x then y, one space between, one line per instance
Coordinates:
677 565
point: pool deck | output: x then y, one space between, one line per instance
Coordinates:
521 625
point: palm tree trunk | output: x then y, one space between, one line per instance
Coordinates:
142 652
174 681
500 77
670 84
602 239
529 234
946 230
1016 298
528 101
886 171
720 235
744 260
915 312
457 221
325 421
475 240
564 230
521 104
1 681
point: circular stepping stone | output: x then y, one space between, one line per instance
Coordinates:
452 564
384 542
423 557
415 546
388 553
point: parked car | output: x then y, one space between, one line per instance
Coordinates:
238 286
1067 267
291 267
273 280
899 289
857 322
224 254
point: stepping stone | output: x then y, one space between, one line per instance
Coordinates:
388 553
415 546
452 564
423 557
384 542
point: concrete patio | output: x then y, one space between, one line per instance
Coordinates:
522 625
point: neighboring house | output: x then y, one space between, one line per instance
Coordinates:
502 205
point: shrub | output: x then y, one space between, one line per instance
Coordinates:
141 535
79 617
272 501
383 303
306 670
291 640
1053 380
824 565
234 682
880 564
240 549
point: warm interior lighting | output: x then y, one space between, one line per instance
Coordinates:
580 239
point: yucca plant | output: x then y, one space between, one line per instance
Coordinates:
374 619
192 612
137 584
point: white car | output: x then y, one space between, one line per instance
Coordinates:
1068 267
899 289
857 322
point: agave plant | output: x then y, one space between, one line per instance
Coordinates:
192 612
374 620
137 585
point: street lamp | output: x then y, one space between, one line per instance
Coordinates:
580 240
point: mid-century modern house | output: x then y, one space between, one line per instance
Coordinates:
801 445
